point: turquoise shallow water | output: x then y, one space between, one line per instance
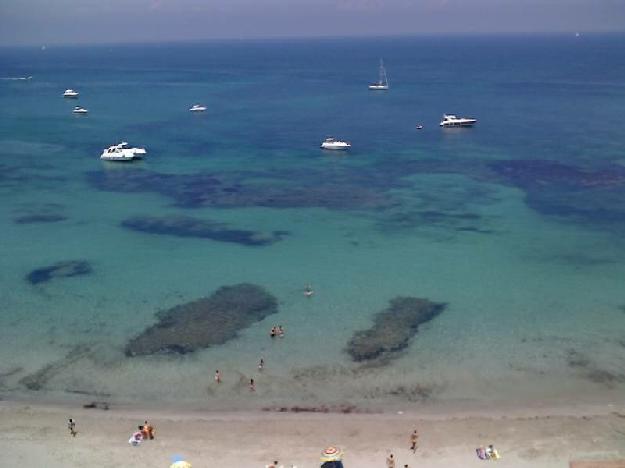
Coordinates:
516 224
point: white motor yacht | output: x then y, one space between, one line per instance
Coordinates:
334 144
115 153
70 93
137 152
80 110
197 108
450 120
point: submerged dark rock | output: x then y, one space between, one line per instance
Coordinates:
39 218
205 322
186 226
39 213
392 329
59 270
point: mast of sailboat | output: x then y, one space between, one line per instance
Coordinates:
383 80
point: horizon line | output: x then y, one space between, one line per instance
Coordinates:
313 37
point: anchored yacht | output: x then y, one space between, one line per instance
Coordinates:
137 152
382 84
334 144
80 110
70 93
450 120
197 108
115 153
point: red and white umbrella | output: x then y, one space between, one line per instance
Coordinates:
331 454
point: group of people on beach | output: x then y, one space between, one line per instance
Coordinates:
487 453
414 440
144 432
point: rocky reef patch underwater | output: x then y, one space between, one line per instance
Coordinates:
63 269
205 322
187 226
392 329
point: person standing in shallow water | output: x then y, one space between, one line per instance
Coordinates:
217 376
261 364
71 426
252 385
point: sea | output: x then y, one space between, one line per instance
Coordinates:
516 225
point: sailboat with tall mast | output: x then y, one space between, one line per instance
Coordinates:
382 84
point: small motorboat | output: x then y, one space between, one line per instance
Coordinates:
419 127
70 93
80 110
197 108
334 144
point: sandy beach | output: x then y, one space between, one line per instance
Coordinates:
37 436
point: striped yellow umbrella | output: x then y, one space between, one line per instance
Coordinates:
331 454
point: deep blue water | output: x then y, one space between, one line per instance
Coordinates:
515 221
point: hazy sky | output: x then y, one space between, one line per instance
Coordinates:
87 21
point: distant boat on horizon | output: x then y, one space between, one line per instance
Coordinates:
334 144
382 84
70 93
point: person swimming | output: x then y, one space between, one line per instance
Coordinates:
308 291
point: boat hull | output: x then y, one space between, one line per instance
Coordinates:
378 87
336 147
458 124
117 158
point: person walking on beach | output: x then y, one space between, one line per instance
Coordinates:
148 431
390 461
71 426
414 438
217 376
252 386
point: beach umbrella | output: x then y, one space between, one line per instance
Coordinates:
331 454
180 464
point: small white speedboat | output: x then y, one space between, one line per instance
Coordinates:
419 127
115 153
450 120
197 108
334 144
70 93
80 110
